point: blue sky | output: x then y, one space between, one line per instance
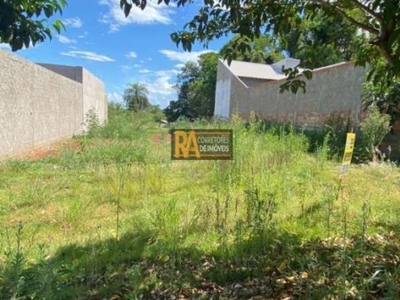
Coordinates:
121 50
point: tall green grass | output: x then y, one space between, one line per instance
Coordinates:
121 219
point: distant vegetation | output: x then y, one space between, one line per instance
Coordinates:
196 89
136 96
118 219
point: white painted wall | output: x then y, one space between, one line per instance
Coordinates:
222 99
222 91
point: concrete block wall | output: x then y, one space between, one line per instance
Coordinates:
39 106
94 97
333 91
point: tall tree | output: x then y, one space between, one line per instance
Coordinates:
380 19
136 96
196 89
181 107
22 22
202 88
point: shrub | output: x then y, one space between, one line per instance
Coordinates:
371 134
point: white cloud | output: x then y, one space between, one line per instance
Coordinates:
153 14
126 67
179 66
144 71
131 55
183 57
164 73
87 55
85 34
64 40
115 97
160 85
73 22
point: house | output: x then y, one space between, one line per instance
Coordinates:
244 87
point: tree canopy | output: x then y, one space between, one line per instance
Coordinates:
196 89
321 41
262 50
378 19
136 96
22 22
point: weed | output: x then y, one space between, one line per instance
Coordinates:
119 219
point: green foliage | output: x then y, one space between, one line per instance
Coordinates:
156 112
316 42
196 86
202 88
136 96
261 50
322 40
294 81
385 97
124 124
119 219
372 131
374 127
23 23
332 138
177 109
251 19
92 122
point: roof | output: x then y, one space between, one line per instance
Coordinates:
261 71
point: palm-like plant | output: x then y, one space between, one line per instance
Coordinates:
136 96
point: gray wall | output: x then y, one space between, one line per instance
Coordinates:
333 91
74 73
94 97
39 107
250 82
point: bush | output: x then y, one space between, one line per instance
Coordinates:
371 134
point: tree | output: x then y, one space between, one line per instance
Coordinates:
386 99
196 89
181 107
202 88
136 96
379 19
21 22
321 41
262 50
177 109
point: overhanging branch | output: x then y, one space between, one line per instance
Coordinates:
368 10
353 21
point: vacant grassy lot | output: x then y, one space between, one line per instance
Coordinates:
118 219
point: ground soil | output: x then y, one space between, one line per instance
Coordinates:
52 150
158 138
56 149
